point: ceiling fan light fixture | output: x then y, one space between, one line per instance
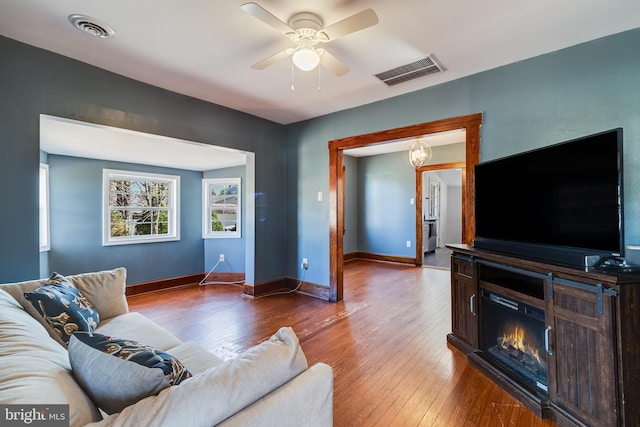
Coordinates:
306 58
306 31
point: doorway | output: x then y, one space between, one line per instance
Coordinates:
470 123
441 214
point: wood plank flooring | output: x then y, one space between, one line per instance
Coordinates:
386 343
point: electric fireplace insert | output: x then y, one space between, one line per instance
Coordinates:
512 338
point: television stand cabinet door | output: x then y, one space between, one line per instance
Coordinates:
464 304
582 360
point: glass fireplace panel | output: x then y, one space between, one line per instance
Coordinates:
513 339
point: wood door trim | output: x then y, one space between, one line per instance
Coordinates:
470 123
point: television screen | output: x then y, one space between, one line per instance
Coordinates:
560 202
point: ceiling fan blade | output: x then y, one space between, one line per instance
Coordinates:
332 63
257 11
357 22
271 60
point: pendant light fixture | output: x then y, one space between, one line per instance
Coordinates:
419 153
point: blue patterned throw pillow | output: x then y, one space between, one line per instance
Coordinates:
63 308
117 373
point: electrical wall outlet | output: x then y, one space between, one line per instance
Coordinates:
305 264
221 257
408 243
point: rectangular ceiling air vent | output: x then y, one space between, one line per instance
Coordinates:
404 73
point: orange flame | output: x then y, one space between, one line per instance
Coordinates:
515 340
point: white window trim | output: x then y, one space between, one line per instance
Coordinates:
207 233
174 208
44 212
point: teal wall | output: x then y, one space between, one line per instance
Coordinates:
75 194
555 97
34 81
386 219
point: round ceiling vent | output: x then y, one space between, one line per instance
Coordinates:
92 26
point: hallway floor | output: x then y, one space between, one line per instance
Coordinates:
440 258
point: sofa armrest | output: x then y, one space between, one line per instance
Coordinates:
216 394
306 400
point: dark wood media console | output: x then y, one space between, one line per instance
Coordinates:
585 324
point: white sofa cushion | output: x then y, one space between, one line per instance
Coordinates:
221 391
194 357
136 327
35 369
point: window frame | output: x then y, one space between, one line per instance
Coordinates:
44 212
173 207
207 233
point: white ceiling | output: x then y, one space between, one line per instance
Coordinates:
205 49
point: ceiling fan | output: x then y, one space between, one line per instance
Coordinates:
306 30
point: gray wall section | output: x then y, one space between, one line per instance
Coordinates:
452 232
541 101
76 224
34 81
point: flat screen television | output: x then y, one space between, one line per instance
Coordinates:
559 203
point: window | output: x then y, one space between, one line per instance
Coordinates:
434 198
140 207
45 243
221 207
